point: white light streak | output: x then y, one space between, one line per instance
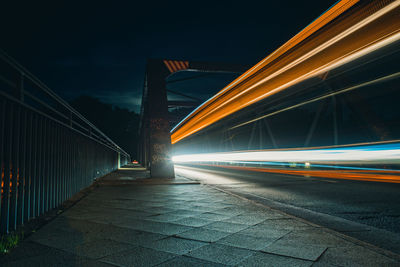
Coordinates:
376 154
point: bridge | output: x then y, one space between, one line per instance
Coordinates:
309 127
322 85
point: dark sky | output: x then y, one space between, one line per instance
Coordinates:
99 48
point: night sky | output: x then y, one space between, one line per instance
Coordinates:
99 48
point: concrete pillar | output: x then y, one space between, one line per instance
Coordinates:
158 128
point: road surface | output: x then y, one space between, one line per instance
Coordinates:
369 211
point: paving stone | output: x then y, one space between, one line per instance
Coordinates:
154 227
246 241
187 213
212 204
355 256
180 198
139 257
99 248
230 211
26 249
84 215
71 213
148 205
158 210
77 226
107 219
113 223
287 224
59 239
184 261
323 264
221 254
201 208
168 217
180 206
57 258
296 250
202 234
315 236
134 214
193 221
264 213
175 245
130 236
212 216
34 254
226 227
263 231
269 260
245 219
142 208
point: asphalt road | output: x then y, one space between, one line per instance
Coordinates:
369 211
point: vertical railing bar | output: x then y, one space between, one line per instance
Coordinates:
39 169
71 166
66 165
22 169
60 165
51 166
2 159
74 167
69 185
63 165
56 165
46 167
71 151
28 164
5 209
15 125
34 166
54 155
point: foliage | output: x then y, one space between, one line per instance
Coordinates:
9 242
120 124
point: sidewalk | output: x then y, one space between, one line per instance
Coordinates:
130 220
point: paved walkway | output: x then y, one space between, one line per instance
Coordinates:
131 221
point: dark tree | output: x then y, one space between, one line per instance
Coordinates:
119 124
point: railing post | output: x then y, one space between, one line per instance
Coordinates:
5 203
15 167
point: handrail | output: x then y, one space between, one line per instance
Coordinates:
45 89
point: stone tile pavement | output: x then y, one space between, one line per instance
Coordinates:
145 222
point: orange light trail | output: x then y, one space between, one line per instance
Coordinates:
364 162
359 175
347 31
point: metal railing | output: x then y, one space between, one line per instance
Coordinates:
48 151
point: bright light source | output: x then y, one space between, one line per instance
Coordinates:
349 155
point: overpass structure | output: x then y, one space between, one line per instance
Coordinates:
154 130
322 104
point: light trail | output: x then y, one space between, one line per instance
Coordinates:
310 53
364 154
335 162
333 12
382 79
370 176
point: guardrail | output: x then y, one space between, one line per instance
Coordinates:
48 152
